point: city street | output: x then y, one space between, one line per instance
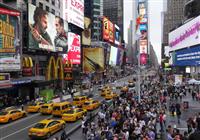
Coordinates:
19 128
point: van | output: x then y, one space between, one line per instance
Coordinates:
59 108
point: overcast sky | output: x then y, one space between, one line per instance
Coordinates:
155 8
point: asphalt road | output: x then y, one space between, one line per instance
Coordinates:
18 130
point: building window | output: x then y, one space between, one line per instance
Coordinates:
40 5
47 8
53 2
47 0
53 11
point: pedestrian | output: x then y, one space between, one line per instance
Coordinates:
178 112
63 135
56 138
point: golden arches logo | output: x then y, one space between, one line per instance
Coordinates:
53 68
27 62
60 68
27 65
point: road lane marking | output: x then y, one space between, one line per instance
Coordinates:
18 121
22 129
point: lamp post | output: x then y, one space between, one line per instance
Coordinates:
138 74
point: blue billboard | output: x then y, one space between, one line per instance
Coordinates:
188 57
143 27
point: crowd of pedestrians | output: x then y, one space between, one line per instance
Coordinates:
127 119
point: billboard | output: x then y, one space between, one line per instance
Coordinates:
186 35
46 32
73 12
143 27
93 59
86 34
187 57
9 40
143 58
113 56
143 46
74 49
120 54
108 30
117 35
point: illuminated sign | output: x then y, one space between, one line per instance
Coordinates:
74 49
108 30
9 40
73 11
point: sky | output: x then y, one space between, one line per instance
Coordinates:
155 9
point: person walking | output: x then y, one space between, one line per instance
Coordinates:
178 112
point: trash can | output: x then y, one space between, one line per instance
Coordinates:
185 104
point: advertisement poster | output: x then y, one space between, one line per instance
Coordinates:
9 40
86 34
73 12
108 30
188 57
117 35
93 59
143 46
113 56
46 32
105 29
74 49
143 58
120 54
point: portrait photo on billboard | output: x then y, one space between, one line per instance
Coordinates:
9 39
86 34
143 46
93 59
46 31
74 49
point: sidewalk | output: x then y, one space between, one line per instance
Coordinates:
194 108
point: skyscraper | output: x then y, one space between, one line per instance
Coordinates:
113 9
94 10
172 18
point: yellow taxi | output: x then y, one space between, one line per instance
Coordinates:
73 114
80 100
105 91
124 89
34 107
91 105
46 108
45 128
11 115
111 95
59 108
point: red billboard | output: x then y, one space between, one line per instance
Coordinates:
108 30
74 49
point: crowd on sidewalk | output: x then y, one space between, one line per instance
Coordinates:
128 119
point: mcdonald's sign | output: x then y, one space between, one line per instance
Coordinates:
27 64
68 70
55 69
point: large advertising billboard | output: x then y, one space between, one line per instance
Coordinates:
185 36
187 57
113 56
86 34
143 46
117 35
74 49
93 60
46 31
108 30
73 12
120 54
9 40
